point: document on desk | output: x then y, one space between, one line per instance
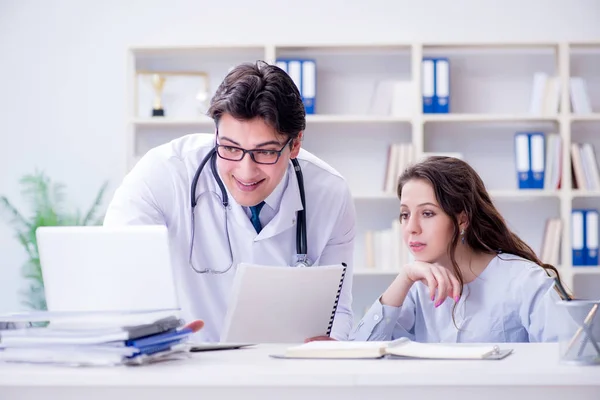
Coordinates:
275 304
399 348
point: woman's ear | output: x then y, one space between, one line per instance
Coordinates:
463 221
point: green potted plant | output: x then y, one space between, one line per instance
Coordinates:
47 201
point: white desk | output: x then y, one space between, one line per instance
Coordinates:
532 372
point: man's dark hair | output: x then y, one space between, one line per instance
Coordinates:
264 91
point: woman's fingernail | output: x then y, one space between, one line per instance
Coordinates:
432 297
457 298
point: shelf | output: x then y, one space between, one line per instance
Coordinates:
487 118
165 121
310 119
491 85
581 270
325 118
585 117
374 196
523 193
329 118
585 193
499 194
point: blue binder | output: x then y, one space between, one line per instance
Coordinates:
522 160
428 85
537 160
308 79
304 74
591 237
442 86
578 236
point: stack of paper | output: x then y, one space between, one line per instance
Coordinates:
93 345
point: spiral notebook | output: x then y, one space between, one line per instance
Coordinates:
275 304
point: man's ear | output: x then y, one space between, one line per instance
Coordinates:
296 144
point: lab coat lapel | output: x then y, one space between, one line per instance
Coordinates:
240 217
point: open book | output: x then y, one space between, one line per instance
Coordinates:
398 348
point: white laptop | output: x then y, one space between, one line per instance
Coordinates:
97 269
108 276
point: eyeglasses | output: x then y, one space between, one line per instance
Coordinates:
259 156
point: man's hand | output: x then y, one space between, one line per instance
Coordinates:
195 326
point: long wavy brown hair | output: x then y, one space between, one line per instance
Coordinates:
458 188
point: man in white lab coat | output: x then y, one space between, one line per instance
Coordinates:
260 120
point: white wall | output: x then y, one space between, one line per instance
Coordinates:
62 68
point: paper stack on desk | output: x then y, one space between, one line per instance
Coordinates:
87 345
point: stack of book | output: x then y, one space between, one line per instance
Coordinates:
89 344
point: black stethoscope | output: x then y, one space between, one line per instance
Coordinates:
301 242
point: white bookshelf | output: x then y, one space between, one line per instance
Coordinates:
487 118
490 93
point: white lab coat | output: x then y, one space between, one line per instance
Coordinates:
157 191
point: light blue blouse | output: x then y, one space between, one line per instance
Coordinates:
513 300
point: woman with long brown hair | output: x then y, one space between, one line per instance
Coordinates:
473 279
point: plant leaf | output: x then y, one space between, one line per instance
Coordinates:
47 202
94 208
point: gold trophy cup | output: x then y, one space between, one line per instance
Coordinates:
158 82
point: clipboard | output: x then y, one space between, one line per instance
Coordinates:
201 347
287 313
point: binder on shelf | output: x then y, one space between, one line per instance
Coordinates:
536 106
590 166
304 74
282 64
580 100
308 79
294 69
553 169
428 82
578 236
442 86
591 237
522 160
537 146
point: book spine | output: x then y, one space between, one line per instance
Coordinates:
337 300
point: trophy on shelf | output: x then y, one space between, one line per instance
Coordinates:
158 82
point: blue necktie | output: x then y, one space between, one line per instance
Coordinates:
255 210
